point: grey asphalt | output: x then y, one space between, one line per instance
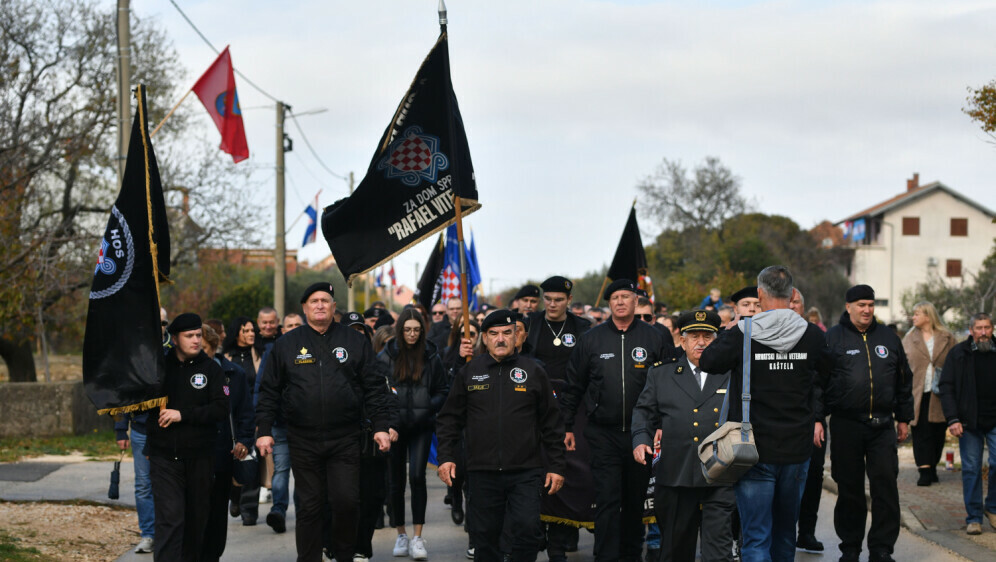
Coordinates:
444 540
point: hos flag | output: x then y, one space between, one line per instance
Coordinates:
421 163
123 360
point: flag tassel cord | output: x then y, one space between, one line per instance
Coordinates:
170 113
463 271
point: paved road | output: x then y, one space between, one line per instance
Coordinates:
445 541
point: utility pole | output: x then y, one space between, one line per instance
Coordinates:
350 298
124 84
280 251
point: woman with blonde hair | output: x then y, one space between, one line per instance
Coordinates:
927 346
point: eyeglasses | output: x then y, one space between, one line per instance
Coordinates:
165 323
646 317
412 330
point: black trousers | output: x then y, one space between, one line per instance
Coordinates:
560 539
326 471
810 506
181 491
216 531
620 489
928 437
497 497
372 494
682 512
412 446
857 447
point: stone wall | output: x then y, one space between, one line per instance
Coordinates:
38 409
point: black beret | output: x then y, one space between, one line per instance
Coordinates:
502 317
699 320
184 323
520 317
557 284
373 312
484 307
314 288
527 291
860 293
385 319
352 319
642 293
619 285
745 293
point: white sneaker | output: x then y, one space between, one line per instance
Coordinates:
470 554
401 545
265 495
144 545
417 549
360 558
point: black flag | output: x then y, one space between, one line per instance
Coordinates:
122 348
421 163
427 292
630 261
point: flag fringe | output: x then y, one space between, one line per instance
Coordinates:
590 525
140 407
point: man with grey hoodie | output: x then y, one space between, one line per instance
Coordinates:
789 365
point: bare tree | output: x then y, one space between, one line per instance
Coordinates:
675 200
58 155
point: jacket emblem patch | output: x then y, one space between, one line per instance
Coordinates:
340 354
304 358
474 387
198 381
881 351
639 354
226 389
568 340
518 376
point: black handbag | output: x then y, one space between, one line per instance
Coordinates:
246 470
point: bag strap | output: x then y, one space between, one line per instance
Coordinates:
745 397
726 404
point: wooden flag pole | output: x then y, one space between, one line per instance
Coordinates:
598 297
463 271
170 113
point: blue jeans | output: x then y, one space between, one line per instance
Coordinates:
768 499
280 482
970 443
143 486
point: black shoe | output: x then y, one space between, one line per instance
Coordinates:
248 521
924 479
457 515
881 557
448 498
850 557
808 543
276 522
379 523
234 510
933 474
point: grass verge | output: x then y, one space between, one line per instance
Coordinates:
11 550
95 444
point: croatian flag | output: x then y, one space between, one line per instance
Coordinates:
451 266
311 234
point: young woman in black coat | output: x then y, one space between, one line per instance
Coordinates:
419 380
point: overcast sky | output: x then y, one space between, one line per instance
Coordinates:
820 108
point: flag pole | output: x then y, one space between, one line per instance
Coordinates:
170 112
463 271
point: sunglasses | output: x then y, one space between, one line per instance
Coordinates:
646 317
438 312
165 323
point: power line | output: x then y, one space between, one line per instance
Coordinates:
215 49
313 153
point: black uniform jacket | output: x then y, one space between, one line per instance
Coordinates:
195 387
785 386
871 377
508 411
574 326
608 370
418 402
324 384
673 402
957 386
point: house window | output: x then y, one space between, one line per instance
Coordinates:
959 227
954 268
911 226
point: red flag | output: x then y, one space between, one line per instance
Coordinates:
216 90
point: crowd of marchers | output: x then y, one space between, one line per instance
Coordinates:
547 420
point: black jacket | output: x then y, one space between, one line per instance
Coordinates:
418 402
243 358
789 365
241 414
871 377
195 387
574 326
957 386
509 412
324 384
608 370
686 414
439 332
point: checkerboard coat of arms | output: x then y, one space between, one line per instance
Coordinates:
413 158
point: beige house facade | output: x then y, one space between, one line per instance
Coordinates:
928 230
